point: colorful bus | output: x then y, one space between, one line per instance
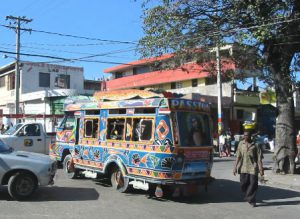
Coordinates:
138 139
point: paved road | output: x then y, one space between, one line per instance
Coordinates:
85 198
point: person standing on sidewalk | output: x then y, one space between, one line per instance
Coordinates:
248 164
298 147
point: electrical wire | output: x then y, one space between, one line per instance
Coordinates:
213 33
65 59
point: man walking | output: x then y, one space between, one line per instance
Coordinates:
248 164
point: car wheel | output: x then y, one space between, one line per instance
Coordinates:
21 185
70 171
118 181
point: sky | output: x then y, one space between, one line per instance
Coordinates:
107 30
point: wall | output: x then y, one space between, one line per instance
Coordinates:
30 73
210 90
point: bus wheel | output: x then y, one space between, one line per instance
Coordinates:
118 181
70 171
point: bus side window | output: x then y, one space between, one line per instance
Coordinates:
128 130
91 128
115 129
147 132
137 130
142 129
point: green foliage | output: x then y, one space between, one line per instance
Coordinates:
266 32
272 27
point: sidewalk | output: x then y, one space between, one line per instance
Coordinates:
279 180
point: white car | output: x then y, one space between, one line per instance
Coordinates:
23 171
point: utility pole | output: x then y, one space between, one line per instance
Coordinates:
17 22
219 86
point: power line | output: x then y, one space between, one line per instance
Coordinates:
74 36
213 33
86 38
64 59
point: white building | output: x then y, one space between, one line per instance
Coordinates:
42 85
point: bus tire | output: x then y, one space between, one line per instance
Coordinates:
118 181
70 171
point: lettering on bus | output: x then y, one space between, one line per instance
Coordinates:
189 105
192 154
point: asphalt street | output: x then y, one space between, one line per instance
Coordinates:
86 198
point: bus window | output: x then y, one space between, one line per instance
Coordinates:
193 129
68 123
115 129
128 135
142 129
91 128
147 133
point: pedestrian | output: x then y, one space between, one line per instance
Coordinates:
221 145
248 164
228 143
298 147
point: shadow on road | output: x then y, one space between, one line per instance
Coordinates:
57 194
225 191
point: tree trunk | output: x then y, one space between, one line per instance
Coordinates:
285 150
285 141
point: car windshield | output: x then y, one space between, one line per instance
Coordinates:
12 130
4 148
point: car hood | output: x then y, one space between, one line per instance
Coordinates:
32 156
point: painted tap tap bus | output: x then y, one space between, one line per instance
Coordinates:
137 138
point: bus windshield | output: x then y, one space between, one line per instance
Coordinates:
193 129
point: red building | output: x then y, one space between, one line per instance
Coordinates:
191 79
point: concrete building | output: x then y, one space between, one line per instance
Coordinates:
43 88
193 79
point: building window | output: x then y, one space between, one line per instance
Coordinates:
134 71
142 69
194 82
161 86
176 85
44 79
211 80
62 81
118 74
173 85
11 82
179 85
2 82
